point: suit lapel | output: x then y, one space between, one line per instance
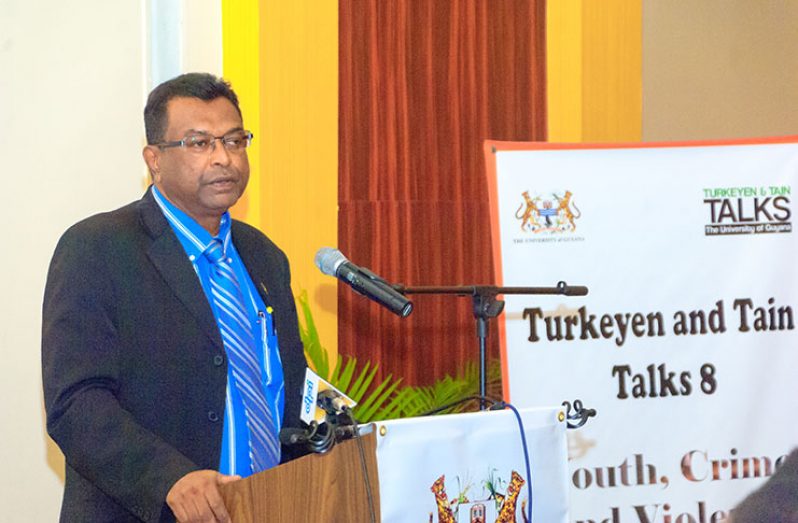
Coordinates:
169 258
257 264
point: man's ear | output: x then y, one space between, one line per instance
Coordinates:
152 157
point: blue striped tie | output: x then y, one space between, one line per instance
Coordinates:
239 342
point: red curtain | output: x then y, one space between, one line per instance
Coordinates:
422 84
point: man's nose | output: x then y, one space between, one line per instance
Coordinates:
219 153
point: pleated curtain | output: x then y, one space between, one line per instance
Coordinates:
422 84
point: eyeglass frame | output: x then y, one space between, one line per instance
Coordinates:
212 146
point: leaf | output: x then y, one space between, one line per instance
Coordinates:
362 382
387 399
333 377
345 377
316 355
377 398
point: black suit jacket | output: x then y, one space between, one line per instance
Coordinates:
776 501
133 364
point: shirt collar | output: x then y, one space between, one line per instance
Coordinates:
196 238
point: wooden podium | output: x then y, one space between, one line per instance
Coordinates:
318 487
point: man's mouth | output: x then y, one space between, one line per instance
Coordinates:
223 182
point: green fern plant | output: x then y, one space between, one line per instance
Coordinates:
388 399
416 400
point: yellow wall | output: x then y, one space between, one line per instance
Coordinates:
241 65
564 70
594 70
289 76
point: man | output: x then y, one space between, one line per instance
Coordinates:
170 350
774 502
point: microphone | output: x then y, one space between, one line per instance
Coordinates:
333 263
321 400
317 437
289 436
339 415
332 402
327 414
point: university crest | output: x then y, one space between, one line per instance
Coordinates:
555 215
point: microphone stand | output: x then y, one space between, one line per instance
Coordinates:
485 306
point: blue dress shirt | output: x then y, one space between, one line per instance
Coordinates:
235 457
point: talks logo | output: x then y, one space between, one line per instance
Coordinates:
747 210
553 215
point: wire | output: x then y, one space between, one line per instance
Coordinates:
366 479
498 405
321 438
526 455
349 417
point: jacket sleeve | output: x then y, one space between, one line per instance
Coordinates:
776 501
80 364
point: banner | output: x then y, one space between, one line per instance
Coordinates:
686 343
470 468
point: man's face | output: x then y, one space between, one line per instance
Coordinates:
203 184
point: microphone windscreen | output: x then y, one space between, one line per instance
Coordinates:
328 260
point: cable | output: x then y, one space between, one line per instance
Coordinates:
366 479
499 405
526 453
321 438
351 422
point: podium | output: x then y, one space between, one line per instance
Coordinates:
441 468
317 487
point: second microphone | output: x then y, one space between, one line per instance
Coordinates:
333 263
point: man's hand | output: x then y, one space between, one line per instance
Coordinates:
195 497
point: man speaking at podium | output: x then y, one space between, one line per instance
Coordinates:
171 355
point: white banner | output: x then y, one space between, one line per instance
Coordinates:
470 468
686 343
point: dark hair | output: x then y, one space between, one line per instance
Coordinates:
190 85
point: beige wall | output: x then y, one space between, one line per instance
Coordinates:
71 76
73 80
719 68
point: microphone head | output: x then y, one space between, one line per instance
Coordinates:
331 401
328 260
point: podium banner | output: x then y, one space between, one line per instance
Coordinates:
470 468
686 344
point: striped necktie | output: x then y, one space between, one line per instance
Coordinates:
240 344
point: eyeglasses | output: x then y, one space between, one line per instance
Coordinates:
235 142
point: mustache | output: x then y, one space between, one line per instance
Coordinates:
223 176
